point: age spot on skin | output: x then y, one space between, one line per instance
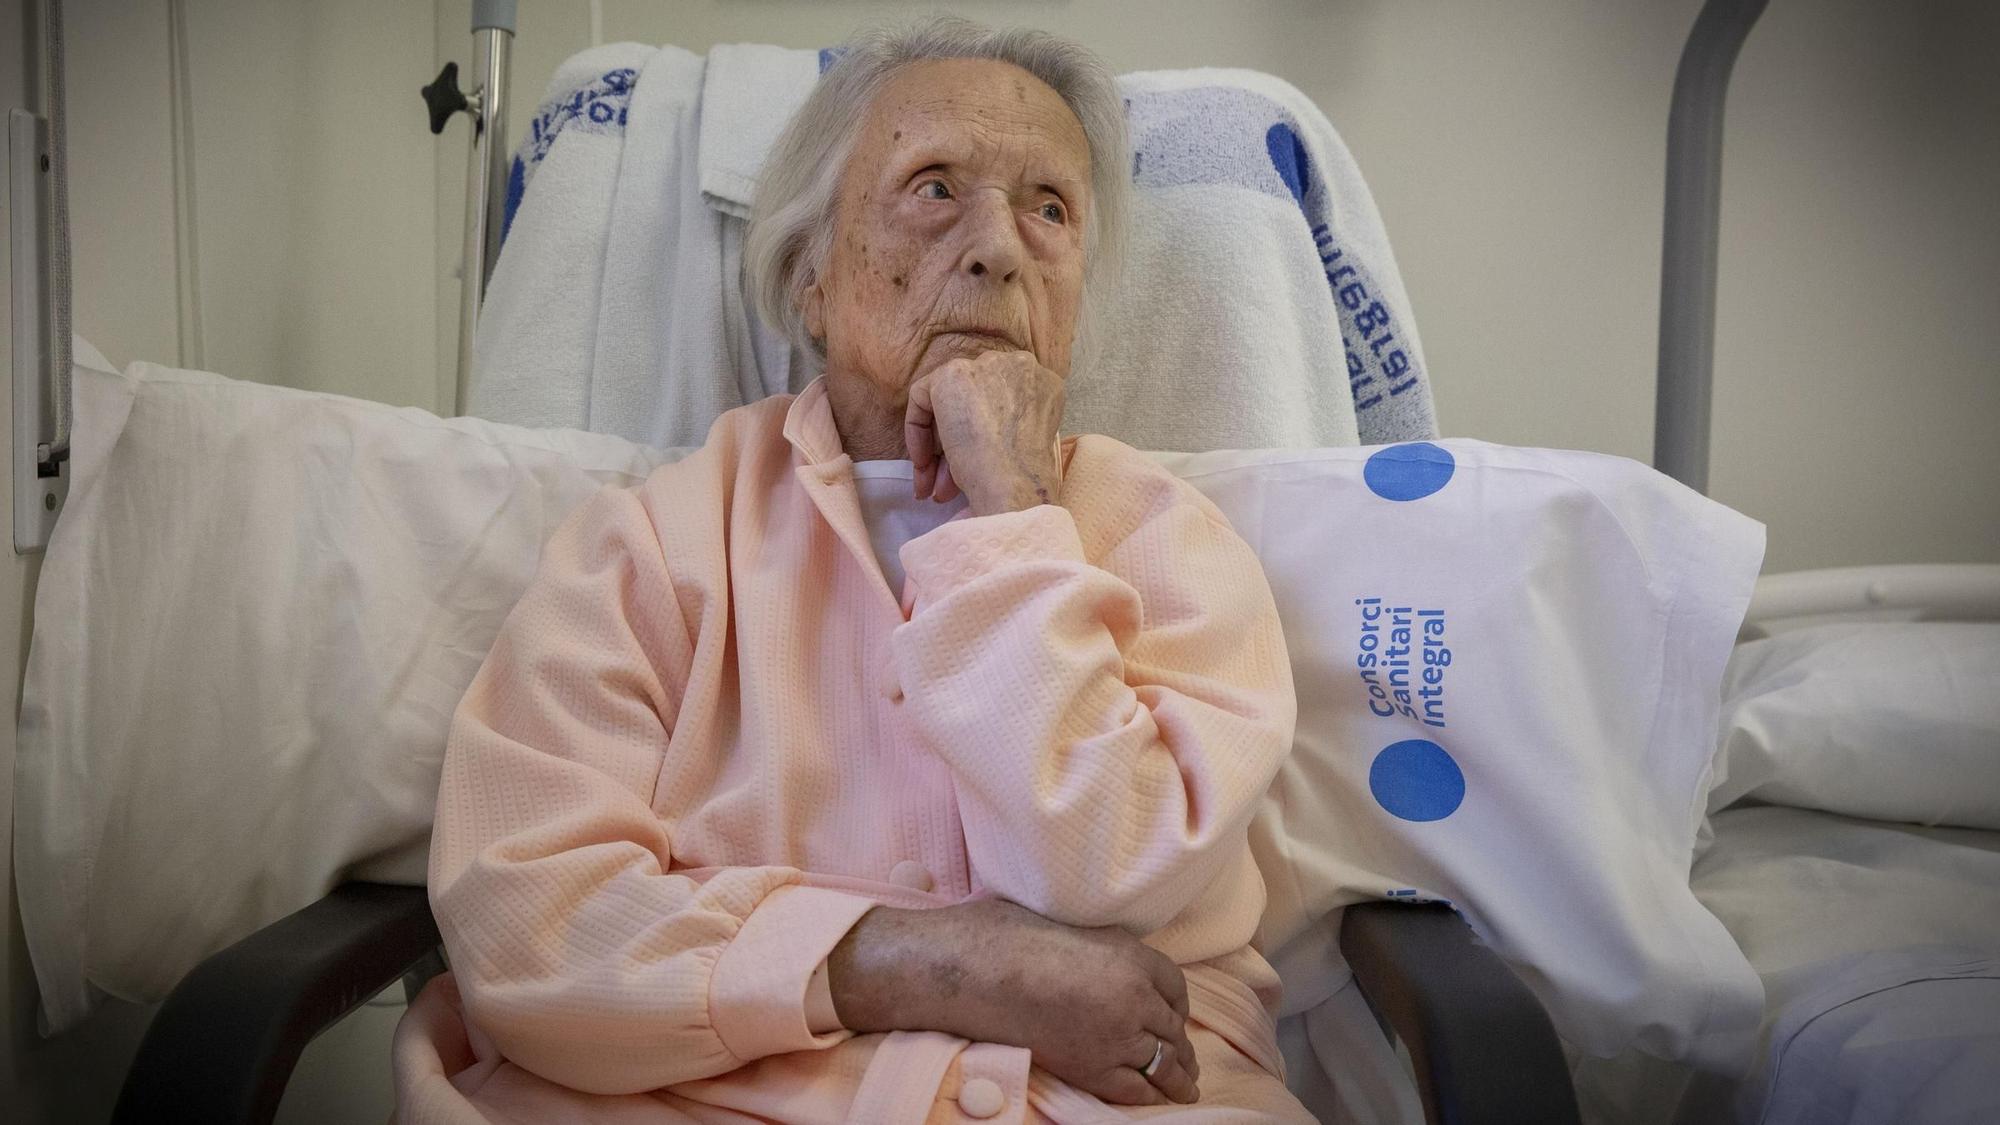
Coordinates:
898 281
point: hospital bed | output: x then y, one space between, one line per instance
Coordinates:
1482 1048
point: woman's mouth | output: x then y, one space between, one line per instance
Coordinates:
985 338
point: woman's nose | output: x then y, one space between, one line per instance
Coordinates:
993 251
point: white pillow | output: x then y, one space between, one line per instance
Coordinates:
261 606
1895 721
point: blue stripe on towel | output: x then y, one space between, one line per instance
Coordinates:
1206 135
597 106
517 186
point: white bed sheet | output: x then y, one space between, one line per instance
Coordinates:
1879 948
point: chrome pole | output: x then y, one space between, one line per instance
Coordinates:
486 175
497 49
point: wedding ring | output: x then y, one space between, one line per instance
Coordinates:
1159 1053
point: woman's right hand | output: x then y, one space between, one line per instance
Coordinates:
1090 1004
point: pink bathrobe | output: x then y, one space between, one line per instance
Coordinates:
710 737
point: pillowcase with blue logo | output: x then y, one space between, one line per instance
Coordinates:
1508 665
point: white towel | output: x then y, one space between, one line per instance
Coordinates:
1256 253
750 92
617 305
538 327
677 344
1260 305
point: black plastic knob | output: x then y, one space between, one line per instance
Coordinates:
444 97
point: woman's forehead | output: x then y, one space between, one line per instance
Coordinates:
969 108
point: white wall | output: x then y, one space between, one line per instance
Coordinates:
1858 353
1515 151
311 177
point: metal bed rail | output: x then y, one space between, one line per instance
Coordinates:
1910 591
1693 227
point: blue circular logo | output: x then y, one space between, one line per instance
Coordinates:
1416 780
1408 472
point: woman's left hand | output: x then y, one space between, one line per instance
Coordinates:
1092 1005
986 425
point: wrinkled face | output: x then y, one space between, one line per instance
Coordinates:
959 227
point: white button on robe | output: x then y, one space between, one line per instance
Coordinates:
911 874
981 1097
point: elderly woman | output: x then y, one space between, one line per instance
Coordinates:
889 759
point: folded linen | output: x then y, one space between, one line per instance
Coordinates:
749 93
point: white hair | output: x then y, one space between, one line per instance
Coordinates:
792 219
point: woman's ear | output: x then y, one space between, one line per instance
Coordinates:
812 306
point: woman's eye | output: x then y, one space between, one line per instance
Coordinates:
1053 212
934 189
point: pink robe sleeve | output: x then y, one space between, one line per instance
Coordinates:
1110 727
573 948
